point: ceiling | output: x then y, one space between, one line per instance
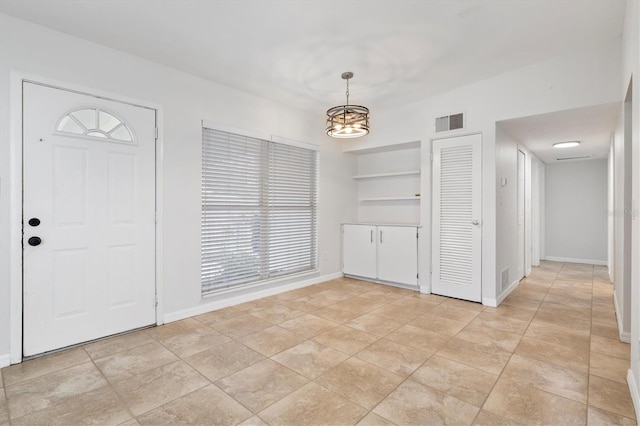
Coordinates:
592 126
400 51
294 51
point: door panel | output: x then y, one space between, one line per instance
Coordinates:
89 176
457 223
398 254
359 250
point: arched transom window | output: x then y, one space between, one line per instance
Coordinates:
96 123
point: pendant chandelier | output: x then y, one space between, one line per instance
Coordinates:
347 121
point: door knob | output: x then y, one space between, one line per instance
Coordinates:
34 241
34 221
475 222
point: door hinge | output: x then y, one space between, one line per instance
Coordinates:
156 133
156 304
417 275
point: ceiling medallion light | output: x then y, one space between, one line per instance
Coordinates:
347 121
568 144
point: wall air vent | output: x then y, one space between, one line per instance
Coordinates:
450 122
584 157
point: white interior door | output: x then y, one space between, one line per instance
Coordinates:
398 254
457 222
359 250
521 214
88 218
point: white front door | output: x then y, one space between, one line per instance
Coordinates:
457 222
88 218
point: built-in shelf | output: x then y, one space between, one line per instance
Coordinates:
414 197
384 175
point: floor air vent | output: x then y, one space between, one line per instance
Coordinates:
450 122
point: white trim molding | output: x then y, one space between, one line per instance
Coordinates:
494 303
633 390
5 360
625 336
236 300
572 260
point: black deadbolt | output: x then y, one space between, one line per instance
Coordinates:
34 221
34 241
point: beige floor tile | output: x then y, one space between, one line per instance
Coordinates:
484 356
397 313
562 356
496 322
454 312
310 358
535 287
308 325
425 340
260 385
223 360
415 404
132 422
372 419
416 303
168 330
513 312
254 421
272 340
194 341
554 333
471 306
525 404
547 377
336 314
346 339
610 395
156 387
360 305
440 324
611 347
602 330
126 364
203 406
604 316
458 380
360 382
499 339
37 367
521 302
219 315
313 405
578 319
370 323
4 410
393 356
531 295
101 407
241 326
277 314
485 418
112 345
609 367
598 417
53 388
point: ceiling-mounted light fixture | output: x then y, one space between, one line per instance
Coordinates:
567 144
347 121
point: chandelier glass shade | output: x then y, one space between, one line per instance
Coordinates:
347 121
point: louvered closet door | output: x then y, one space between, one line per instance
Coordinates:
457 203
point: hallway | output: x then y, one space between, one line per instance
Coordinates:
351 352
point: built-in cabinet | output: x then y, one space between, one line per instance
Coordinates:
387 253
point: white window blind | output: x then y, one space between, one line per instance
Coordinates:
259 210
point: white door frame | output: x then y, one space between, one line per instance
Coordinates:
16 184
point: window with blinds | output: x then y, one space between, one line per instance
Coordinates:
259 210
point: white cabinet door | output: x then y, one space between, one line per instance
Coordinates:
398 254
359 250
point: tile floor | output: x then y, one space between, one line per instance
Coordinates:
350 352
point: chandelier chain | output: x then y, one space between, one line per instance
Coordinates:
347 91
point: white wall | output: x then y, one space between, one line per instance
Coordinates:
185 101
630 70
553 85
536 217
576 211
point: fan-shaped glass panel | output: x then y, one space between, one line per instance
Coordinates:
96 123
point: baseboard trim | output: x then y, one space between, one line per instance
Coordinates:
494 303
625 336
248 297
5 360
572 260
633 390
